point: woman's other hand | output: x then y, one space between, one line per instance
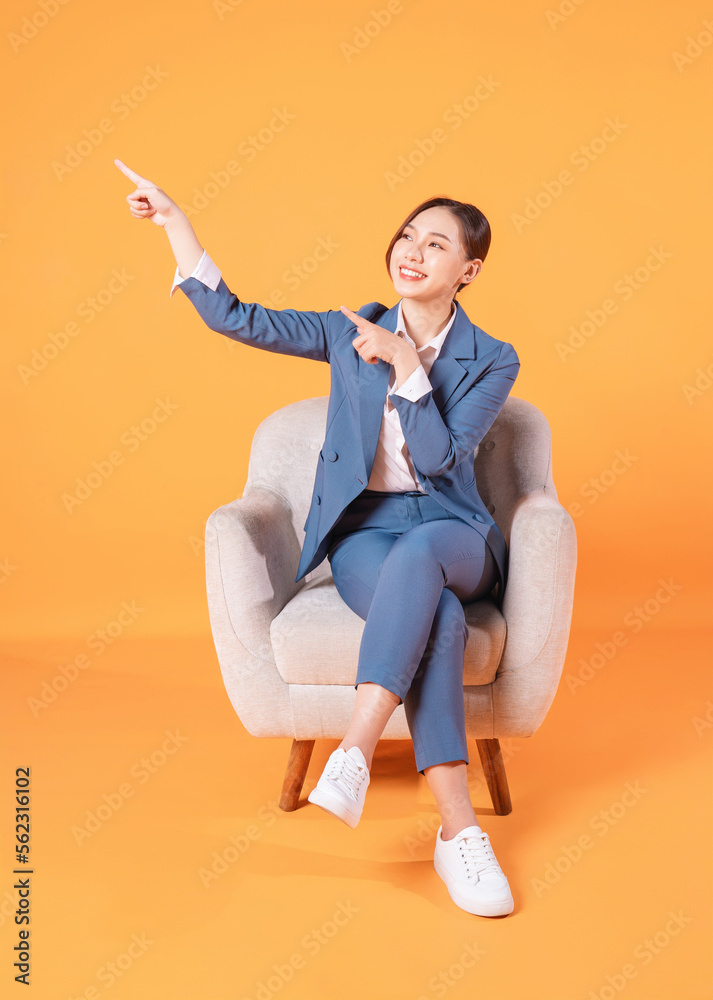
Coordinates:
374 342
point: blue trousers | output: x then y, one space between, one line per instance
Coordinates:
406 565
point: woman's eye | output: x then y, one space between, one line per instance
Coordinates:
405 236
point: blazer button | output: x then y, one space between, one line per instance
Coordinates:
478 517
332 456
318 499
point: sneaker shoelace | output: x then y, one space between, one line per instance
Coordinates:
478 856
346 773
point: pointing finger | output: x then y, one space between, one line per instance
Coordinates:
131 174
361 324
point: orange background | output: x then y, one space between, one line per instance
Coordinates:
361 106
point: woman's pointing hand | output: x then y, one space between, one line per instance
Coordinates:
148 201
374 342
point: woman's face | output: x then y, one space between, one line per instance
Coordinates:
431 246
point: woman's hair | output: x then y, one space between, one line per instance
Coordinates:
474 229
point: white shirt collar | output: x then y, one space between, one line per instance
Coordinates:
437 342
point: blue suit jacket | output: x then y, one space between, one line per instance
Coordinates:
471 379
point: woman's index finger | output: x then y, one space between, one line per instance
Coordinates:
355 317
131 174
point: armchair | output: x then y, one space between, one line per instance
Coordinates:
288 651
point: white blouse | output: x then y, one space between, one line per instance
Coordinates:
393 469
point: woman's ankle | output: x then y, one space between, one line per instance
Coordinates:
449 830
348 744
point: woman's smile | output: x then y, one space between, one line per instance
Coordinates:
409 274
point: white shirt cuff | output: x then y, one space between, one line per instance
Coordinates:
415 386
205 271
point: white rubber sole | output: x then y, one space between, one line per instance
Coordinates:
333 805
487 908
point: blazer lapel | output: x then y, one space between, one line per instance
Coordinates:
445 375
447 372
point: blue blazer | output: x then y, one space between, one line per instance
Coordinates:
471 379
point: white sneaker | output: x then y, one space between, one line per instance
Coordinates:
473 877
343 784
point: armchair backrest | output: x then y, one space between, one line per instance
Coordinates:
514 459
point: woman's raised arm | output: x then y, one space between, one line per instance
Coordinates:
149 202
304 334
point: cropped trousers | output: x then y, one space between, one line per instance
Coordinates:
406 565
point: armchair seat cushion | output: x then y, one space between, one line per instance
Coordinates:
316 638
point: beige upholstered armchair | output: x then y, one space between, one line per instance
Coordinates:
288 651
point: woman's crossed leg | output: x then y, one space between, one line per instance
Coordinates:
409 588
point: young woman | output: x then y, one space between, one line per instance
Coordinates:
395 507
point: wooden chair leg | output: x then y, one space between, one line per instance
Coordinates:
296 772
494 770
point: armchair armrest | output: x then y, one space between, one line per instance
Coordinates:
537 607
249 543
251 556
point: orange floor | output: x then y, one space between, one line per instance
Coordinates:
163 868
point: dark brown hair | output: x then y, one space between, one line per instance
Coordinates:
473 226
